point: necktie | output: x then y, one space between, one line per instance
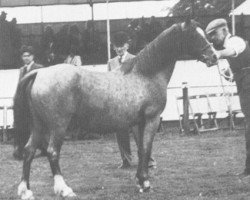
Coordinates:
26 69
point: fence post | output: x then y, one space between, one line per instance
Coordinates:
5 137
185 108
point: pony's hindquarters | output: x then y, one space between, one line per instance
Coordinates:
23 123
31 123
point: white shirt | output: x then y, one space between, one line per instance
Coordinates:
29 65
75 60
124 56
236 43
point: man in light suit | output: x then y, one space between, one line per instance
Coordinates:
27 54
120 42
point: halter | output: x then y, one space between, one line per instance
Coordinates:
202 57
206 47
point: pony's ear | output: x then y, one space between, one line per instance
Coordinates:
187 23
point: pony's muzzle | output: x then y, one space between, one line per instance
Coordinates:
209 61
214 61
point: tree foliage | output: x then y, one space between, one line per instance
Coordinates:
203 7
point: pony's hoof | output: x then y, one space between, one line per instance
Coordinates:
124 166
71 198
24 193
145 187
67 192
28 195
71 195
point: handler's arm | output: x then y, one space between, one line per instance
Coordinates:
228 52
234 47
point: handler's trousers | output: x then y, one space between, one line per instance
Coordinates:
243 85
123 140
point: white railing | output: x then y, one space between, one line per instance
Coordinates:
6 117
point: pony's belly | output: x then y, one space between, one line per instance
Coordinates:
100 122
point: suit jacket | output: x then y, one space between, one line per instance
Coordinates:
24 70
114 63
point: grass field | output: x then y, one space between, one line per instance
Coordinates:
189 168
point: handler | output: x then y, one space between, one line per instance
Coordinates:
237 52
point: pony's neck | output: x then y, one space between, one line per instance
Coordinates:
161 53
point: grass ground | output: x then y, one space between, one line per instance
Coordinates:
189 168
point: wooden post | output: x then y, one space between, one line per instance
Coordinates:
108 31
233 16
185 108
42 21
5 138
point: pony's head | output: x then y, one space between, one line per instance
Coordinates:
196 43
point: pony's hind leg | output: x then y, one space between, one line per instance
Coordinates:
146 137
24 187
53 153
29 152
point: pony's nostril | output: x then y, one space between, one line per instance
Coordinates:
214 57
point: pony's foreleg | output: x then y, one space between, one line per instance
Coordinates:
24 187
152 162
54 148
146 137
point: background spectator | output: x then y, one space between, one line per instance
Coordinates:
47 44
75 36
73 58
120 42
54 47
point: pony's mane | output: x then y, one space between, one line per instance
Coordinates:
148 56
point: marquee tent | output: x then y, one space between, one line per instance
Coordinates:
16 3
244 8
19 3
242 16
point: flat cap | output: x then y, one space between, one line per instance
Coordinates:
215 24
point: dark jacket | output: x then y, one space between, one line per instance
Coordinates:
24 70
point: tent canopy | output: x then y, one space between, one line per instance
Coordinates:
17 3
244 8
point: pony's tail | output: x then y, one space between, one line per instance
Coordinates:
22 115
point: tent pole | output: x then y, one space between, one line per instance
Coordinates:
42 20
108 30
92 11
233 17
